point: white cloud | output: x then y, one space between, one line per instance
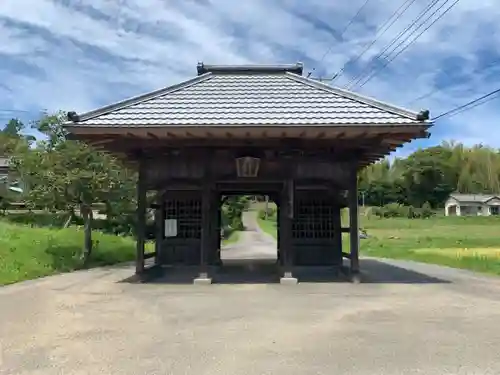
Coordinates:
87 53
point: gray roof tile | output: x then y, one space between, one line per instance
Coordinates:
249 99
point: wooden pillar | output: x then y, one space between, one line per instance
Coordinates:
337 232
354 222
160 229
206 226
141 218
214 228
278 233
218 204
286 217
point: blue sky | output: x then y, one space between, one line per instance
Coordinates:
82 54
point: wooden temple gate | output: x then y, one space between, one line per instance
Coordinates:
238 130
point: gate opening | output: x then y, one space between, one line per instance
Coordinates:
249 230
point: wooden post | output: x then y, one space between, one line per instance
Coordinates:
286 217
337 232
218 242
160 229
141 218
206 225
353 223
214 225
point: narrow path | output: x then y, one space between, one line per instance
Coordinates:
253 243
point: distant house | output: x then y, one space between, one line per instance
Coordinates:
8 180
4 167
472 205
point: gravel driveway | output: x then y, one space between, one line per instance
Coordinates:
406 318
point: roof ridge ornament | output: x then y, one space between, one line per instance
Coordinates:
423 115
73 116
296 68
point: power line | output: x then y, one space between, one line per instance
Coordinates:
469 105
14 110
453 83
355 80
385 26
387 62
342 33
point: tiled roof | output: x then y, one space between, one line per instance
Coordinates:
241 98
472 198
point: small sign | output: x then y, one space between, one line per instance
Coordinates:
171 228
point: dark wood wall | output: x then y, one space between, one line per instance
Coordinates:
319 191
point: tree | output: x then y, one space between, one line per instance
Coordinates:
62 174
431 174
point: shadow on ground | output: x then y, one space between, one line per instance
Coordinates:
252 271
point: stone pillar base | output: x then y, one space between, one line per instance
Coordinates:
288 279
202 279
355 277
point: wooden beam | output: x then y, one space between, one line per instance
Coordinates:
101 142
132 141
151 135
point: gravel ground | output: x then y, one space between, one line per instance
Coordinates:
405 318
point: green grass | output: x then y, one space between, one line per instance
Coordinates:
462 242
28 253
268 226
262 205
233 238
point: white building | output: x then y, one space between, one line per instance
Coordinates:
472 205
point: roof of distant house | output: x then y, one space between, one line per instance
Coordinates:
4 162
473 198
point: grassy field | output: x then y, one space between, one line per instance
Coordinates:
268 226
463 242
28 253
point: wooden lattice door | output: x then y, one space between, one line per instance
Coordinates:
313 229
184 246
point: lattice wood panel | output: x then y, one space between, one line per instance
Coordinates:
313 218
187 212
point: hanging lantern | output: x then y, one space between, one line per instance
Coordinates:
247 166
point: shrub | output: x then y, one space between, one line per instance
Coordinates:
124 225
399 210
426 210
37 219
271 213
395 210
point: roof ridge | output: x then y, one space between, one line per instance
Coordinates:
136 99
361 98
296 68
476 194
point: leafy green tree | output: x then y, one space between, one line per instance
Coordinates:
67 175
